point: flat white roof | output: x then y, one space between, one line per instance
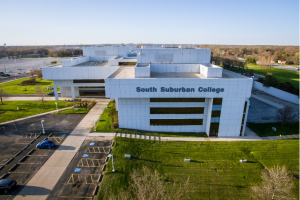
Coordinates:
129 73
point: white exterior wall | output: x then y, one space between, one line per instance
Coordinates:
277 93
74 61
134 107
211 71
164 68
115 62
67 73
116 50
169 56
135 114
142 72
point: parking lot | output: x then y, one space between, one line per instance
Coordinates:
19 158
24 65
82 176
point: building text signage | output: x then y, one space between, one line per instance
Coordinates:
180 89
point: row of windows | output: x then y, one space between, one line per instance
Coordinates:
186 110
91 92
89 81
177 99
178 122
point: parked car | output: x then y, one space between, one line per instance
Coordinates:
45 144
9 71
18 68
7 184
5 75
51 93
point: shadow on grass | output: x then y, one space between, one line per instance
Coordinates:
102 120
173 166
238 186
196 161
248 161
135 158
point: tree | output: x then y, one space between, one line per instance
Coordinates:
40 91
2 95
276 184
147 185
284 115
250 60
31 72
39 74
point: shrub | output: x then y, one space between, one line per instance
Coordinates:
90 105
31 81
114 125
53 62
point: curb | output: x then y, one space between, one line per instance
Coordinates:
18 153
1 167
95 191
32 150
32 141
100 178
13 167
26 147
9 161
22 159
3 176
104 167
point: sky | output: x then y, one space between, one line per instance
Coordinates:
71 22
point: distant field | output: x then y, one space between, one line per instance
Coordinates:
282 75
215 171
13 87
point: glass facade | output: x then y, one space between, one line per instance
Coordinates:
174 122
169 110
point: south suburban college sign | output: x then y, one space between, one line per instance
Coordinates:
180 89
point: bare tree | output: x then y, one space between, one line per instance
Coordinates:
2 95
31 72
40 91
276 184
284 115
39 74
147 185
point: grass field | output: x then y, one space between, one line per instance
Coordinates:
81 110
27 108
105 126
12 87
282 75
215 171
265 129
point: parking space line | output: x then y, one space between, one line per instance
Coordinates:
37 155
96 150
29 135
90 179
85 162
290 137
56 139
278 137
18 172
283 136
295 136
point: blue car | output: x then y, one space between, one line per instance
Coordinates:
45 144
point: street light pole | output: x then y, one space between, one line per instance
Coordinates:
43 126
112 161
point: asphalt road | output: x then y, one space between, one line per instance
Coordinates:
15 136
291 68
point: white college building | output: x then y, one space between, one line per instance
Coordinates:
170 89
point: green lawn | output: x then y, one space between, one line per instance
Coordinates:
105 126
282 75
215 171
81 110
27 108
265 129
12 87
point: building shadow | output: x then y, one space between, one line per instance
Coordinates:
23 191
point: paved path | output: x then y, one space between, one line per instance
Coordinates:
41 184
272 103
45 113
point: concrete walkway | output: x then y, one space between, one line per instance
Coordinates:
276 105
41 184
45 113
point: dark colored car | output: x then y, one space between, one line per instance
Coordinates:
51 93
7 184
5 75
45 144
